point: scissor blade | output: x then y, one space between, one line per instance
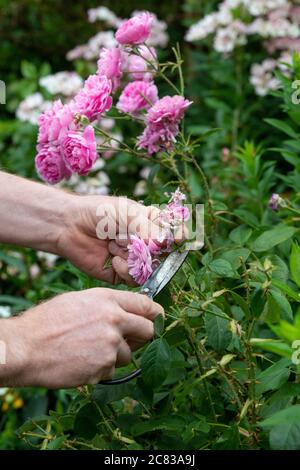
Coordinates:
164 273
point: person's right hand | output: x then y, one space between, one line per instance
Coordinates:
76 338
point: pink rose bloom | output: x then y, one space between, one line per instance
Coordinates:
169 109
79 150
94 99
162 121
55 123
136 30
138 66
139 260
156 138
50 164
110 64
137 96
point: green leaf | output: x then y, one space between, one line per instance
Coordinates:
109 393
56 443
155 363
222 268
283 126
28 69
86 421
287 290
234 256
295 264
218 332
240 235
273 377
285 437
290 415
273 237
276 347
159 324
166 423
284 307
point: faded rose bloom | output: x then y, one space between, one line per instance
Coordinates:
79 151
50 165
136 30
139 260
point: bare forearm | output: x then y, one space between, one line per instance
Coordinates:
13 353
31 214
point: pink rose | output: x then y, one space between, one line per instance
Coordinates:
139 67
110 64
136 30
50 164
162 124
137 96
169 109
79 150
139 260
94 99
55 122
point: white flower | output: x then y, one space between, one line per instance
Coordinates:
225 40
48 258
262 77
104 14
5 312
102 39
3 391
32 107
140 188
62 83
203 28
107 123
145 172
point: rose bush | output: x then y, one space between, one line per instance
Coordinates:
223 367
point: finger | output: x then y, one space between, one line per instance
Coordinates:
124 354
117 250
138 304
121 268
134 344
137 328
103 374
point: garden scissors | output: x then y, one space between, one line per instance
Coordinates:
152 287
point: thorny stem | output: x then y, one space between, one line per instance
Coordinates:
190 338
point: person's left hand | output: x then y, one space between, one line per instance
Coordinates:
98 227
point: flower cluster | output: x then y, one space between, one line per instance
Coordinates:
63 146
62 83
67 143
277 22
144 257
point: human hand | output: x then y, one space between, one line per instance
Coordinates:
88 242
76 338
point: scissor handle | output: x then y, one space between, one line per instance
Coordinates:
137 372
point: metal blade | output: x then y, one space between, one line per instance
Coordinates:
164 273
